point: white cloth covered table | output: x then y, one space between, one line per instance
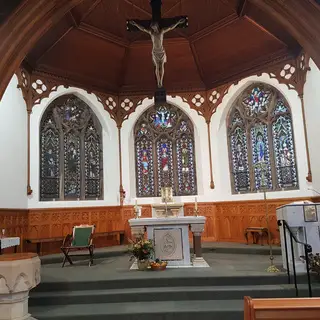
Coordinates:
9 242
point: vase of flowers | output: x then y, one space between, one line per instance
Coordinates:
142 250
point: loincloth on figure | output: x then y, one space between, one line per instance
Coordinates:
159 56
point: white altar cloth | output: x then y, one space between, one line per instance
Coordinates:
9 242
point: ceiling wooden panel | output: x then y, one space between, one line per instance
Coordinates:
81 53
139 68
232 46
49 40
224 40
211 12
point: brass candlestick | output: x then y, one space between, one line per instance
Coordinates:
272 268
196 212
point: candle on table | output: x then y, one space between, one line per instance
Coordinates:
196 203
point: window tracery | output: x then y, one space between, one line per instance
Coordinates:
70 151
164 148
261 142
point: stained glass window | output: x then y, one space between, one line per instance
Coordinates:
261 142
70 151
164 148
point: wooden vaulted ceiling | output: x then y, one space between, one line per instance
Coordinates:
225 40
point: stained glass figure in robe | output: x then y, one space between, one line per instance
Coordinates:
165 165
163 127
145 168
261 159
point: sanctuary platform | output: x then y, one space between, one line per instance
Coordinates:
109 290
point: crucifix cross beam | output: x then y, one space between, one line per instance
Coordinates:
157 17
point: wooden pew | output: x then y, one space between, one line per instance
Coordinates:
282 309
39 241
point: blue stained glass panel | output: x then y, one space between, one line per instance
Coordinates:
257 101
163 118
185 161
165 164
145 183
280 107
284 152
261 157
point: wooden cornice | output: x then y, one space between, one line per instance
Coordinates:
103 34
214 27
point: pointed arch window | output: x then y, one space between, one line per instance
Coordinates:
164 149
70 151
261 141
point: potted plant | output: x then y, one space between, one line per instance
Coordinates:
141 250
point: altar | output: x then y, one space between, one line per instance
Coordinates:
169 230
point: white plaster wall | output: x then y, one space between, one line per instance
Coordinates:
221 174
220 149
312 111
221 171
13 148
201 152
110 152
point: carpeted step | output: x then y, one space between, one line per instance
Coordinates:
164 279
164 310
163 294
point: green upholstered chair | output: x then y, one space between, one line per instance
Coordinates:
81 239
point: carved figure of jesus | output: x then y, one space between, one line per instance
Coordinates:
159 57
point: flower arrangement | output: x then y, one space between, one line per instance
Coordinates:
141 249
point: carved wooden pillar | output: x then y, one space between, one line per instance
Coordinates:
121 190
309 175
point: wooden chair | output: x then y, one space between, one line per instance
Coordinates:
81 239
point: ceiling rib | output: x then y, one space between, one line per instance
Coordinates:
197 62
54 44
91 8
103 34
138 8
265 30
214 27
173 7
242 8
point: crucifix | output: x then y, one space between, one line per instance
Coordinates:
156 28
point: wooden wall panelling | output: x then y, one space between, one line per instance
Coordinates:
226 221
15 222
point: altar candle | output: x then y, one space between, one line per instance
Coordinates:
139 212
136 204
196 203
